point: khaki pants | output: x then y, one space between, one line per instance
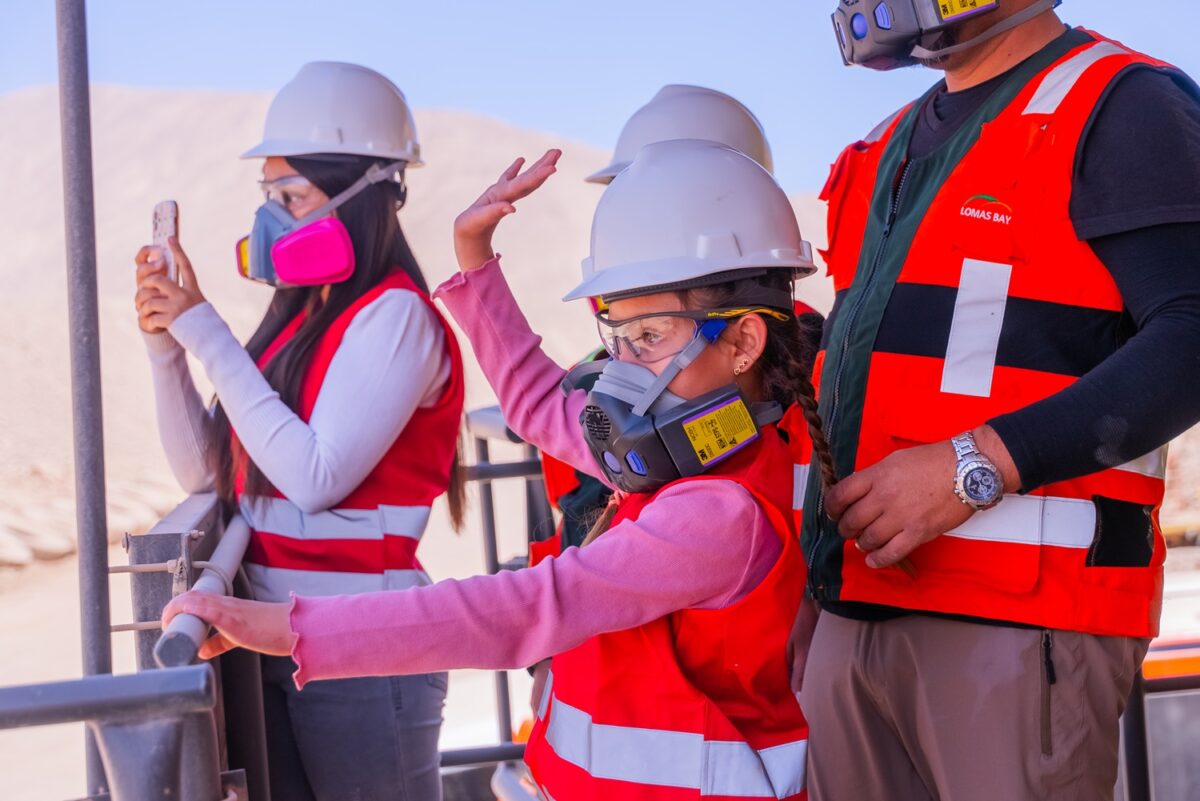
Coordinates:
925 709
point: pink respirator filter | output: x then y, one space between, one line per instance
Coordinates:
318 253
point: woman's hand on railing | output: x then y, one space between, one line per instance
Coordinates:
159 300
473 228
254 625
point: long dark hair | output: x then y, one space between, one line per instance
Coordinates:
379 247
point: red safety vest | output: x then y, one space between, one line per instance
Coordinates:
974 299
693 705
369 540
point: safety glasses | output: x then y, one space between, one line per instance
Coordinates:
648 338
289 191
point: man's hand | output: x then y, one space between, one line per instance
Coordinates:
799 641
907 499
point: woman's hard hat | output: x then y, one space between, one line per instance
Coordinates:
689 112
685 210
331 107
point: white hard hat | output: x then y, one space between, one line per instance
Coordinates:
689 112
331 107
685 209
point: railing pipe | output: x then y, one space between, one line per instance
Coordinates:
153 694
182 639
79 216
487 507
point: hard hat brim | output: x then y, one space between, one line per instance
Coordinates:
606 174
648 275
285 147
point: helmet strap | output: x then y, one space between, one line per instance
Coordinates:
374 174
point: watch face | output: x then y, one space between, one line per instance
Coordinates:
981 485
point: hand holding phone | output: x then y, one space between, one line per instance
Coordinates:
166 225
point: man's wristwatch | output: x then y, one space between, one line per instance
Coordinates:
977 481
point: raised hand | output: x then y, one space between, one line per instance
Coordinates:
473 228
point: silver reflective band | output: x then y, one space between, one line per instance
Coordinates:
1033 520
799 483
879 130
281 516
276 584
1058 84
1153 464
975 329
671 758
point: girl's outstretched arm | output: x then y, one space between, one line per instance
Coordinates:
701 544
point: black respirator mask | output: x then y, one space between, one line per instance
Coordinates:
886 34
644 436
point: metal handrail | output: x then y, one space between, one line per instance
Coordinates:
160 694
182 639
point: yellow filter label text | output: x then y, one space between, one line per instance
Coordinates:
721 431
952 9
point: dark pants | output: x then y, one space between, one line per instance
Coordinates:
371 739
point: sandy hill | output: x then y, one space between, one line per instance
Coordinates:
150 145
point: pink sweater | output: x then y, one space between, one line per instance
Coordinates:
699 545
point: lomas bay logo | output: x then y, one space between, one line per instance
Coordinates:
988 209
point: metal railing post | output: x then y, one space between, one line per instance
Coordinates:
538 515
80 224
487 505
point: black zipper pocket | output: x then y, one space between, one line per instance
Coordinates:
1049 678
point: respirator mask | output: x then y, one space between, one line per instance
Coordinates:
642 435
313 250
886 34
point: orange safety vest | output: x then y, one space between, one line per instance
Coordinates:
963 293
695 704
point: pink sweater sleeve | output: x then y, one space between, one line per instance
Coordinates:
701 544
524 378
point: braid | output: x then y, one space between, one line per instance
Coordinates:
816 430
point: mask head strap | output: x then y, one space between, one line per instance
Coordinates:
1020 18
708 334
374 174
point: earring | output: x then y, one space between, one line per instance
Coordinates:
741 368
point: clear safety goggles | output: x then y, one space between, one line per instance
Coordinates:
648 338
289 191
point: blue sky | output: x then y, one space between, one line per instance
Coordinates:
576 69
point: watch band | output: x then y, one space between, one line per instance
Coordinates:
964 445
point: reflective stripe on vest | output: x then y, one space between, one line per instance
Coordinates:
1062 79
278 583
282 517
671 758
800 479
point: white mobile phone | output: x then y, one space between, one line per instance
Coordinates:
166 225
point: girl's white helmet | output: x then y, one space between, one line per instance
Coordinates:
689 112
331 107
686 209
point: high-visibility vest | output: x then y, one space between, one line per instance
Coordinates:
368 540
962 293
696 704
